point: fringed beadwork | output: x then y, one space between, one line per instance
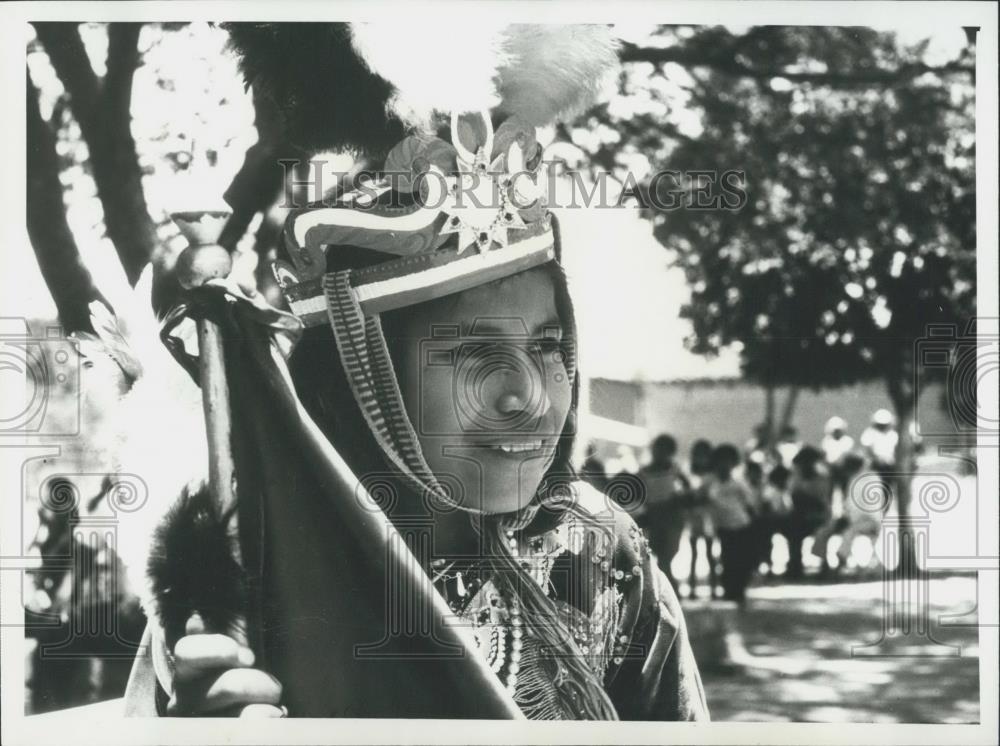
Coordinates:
539 683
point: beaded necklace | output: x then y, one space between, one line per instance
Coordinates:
496 620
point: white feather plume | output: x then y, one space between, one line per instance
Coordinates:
554 72
454 72
539 72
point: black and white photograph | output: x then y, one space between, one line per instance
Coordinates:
413 373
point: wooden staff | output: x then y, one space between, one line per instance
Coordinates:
201 261
215 401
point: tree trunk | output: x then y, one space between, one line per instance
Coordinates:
903 395
789 409
102 107
117 172
768 434
69 282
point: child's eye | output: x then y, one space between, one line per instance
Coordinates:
550 344
544 345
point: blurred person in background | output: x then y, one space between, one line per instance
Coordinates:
623 462
775 507
85 619
701 532
665 487
58 681
753 477
759 446
836 445
733 513
879 441
810 492
860 520
788 445
593 470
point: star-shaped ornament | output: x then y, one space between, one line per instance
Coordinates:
479 208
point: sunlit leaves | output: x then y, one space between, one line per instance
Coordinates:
859 228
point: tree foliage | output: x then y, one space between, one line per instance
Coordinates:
858 230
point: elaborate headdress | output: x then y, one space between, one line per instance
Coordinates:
445 216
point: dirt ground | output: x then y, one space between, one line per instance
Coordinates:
809 657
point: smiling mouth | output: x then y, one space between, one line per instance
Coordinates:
530 446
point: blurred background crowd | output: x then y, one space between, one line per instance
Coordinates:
732 503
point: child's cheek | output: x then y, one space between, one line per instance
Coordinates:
560 388
436 414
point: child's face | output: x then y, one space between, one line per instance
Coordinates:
484 382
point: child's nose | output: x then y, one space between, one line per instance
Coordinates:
514 391
511 403
522 398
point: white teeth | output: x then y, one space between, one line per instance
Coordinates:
520 447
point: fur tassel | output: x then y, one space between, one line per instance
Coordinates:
192 567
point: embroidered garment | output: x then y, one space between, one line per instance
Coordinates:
624 618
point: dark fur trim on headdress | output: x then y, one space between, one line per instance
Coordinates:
192 567
286 61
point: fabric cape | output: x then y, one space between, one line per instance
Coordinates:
328 568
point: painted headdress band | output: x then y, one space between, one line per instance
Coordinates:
472 214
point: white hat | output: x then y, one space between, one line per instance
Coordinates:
835 423
883 417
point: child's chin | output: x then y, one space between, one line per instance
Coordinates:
503 486
506 502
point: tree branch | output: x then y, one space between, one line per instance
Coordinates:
69 282
725 62
122 61
68 56
102 108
